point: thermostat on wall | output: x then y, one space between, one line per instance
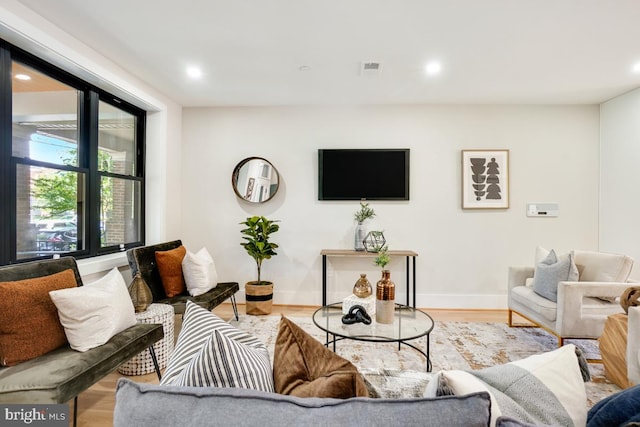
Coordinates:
543 209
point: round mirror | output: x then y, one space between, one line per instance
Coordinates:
255 180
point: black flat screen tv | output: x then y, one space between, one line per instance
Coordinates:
363 174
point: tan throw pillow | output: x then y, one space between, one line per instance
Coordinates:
170 269
29 323
303 367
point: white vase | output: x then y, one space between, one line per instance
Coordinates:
360 234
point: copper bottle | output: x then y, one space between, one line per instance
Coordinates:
385 298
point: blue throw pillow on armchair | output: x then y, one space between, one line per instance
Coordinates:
618 409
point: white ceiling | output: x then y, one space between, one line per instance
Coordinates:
250 51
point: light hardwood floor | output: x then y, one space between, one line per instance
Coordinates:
95 406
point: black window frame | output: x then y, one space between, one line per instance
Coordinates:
89 97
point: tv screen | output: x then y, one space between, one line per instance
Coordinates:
363 174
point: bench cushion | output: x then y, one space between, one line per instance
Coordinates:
526 296
208 300
62 374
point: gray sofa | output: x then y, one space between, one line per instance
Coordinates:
62 374
140 405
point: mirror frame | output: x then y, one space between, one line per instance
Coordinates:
236 174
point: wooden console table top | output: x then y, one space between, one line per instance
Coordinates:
351 252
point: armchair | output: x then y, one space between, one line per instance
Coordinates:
582 306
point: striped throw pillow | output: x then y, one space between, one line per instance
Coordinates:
210 352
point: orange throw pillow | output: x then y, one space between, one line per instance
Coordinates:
29 323
303 367
170 269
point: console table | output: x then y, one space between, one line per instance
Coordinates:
410 255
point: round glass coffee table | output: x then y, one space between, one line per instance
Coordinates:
408 324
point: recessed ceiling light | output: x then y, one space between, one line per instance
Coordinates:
22 77
304 68
194 72
636 67
432 68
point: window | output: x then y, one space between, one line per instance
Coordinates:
71 164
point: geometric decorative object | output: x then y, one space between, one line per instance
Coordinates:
140 293
374 241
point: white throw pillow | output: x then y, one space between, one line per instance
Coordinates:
541 253
554 378
199 272
93 313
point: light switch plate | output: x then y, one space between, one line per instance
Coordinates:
543 209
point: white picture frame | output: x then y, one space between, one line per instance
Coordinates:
485 179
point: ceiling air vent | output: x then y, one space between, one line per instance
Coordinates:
370 68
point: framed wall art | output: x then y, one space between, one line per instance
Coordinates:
485 179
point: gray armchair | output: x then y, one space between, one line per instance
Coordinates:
582 306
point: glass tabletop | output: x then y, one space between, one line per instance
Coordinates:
408 323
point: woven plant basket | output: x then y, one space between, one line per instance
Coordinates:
259 297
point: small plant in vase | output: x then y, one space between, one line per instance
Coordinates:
361 216
385 289
383 258
259 294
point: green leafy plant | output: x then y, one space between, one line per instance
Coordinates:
364 213
257 232
383 258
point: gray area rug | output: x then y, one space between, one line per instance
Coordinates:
453 345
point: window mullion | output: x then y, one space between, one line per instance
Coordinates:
6 171
90 121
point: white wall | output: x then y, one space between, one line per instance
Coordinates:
463 255
25 29
620 180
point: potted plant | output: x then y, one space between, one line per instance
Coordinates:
259 293
361 216
383 257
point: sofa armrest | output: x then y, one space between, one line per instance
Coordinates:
519 275
633 345
572 320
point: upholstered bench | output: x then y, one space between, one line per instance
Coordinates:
61 374
143 260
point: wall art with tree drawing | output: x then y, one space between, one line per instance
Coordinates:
485 179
